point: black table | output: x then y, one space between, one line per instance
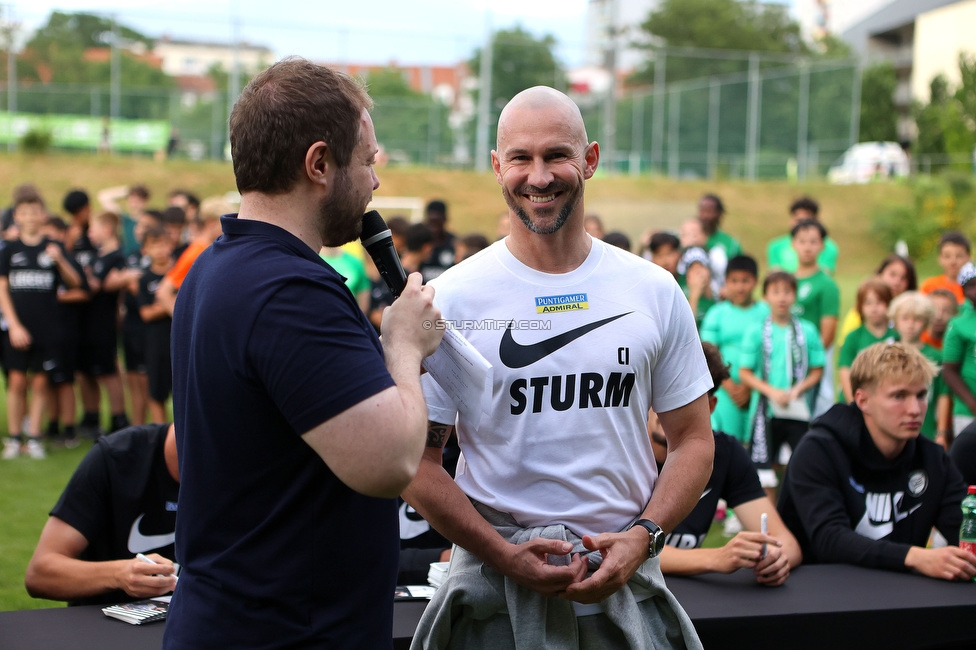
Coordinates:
827 606
87 628
830 606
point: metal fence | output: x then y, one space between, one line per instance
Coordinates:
778 120
413 131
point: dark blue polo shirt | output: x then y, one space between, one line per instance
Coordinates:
268 343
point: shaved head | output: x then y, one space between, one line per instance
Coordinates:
543 159
564 111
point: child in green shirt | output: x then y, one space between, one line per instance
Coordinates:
782 360
817 300
959 354
724 326
873 298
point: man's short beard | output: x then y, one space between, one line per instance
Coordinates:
339 226
564 213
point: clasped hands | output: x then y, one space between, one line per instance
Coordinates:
528 564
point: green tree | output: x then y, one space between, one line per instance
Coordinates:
411 126
519 60
929 118
55 55
78 31
719 25
966 93
947 124
878 114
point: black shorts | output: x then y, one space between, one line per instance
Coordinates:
785 431
99 360
66 363
134 349
36 358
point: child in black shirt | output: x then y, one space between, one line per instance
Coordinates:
107 277
158 246
30 270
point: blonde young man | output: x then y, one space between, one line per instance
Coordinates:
866 462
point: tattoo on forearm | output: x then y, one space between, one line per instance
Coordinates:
437 434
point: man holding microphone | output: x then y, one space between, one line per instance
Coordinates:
296 427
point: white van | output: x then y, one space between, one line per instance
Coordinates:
868 161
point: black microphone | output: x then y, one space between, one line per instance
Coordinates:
378 242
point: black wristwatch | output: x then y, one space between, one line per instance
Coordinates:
657 536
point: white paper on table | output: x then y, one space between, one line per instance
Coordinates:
462 372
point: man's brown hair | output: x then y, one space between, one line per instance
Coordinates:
282 112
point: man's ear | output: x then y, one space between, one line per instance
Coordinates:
861 396
319 164
591 159
496 166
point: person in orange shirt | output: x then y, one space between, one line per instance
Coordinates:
954 252
208 229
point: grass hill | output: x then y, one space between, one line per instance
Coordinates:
756 211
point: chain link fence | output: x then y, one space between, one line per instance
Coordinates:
774 121
790 121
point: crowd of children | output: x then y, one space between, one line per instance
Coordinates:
780 350
71 292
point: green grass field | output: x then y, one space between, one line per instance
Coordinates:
756 213
28 490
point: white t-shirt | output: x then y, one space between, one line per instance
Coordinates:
589 352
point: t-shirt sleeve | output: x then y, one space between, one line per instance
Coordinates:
680 374
711 324
73 262
815 350
830 305
177 274
440 407
83 503
145 297
4 260
315 353
849 350
953 344
741 482
828 258
751 355
361 281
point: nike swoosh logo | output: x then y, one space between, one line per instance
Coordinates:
139 543
516 355
902 515
866 528
704 494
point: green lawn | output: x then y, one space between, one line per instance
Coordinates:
28 490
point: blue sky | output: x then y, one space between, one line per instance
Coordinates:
378 31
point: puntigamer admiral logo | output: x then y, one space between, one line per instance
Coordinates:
569 302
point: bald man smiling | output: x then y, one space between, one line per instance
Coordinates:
558 512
